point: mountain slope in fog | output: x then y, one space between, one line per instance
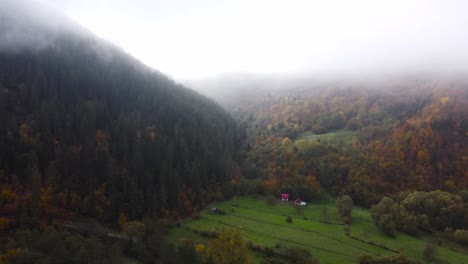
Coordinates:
98 131
366 139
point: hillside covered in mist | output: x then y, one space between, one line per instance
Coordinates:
88 129
365 139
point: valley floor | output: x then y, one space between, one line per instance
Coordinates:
263 222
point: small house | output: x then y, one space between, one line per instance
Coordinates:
299 202
285 197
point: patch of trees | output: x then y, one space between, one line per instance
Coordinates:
226 246
229 247
362 142
142 241
104 136
344 204
54 246
421 211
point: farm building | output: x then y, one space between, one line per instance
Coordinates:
299 202
285 197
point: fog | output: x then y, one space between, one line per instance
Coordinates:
195 40
31 25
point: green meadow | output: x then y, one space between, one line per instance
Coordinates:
263 222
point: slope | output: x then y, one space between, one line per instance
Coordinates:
89 129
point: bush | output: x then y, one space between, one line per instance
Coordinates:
289 219
345 205
366 259
347 230
279 245
387 224
298 255
461 236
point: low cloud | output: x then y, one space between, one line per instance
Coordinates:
212 37
30 25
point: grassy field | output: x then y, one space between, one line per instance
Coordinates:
265 223
343 136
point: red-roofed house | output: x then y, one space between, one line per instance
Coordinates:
285 196
299 202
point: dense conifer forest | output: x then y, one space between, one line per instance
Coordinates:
92 130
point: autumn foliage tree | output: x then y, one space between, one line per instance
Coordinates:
365 142
228 247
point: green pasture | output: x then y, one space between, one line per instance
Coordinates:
263 222
344 136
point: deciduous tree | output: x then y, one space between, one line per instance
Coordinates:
228 248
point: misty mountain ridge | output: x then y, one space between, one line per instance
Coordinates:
233 89
30 25
82 117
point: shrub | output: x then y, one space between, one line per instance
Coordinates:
461 236
366 259
289 219
387 224
345 205
298 255
347 230
200 248
279 245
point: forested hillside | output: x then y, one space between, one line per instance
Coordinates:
88 129
367 140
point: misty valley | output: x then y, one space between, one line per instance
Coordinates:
104 159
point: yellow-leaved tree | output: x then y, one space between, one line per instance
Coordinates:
228 248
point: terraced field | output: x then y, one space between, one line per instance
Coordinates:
264 223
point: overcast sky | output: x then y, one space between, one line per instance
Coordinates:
198 38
